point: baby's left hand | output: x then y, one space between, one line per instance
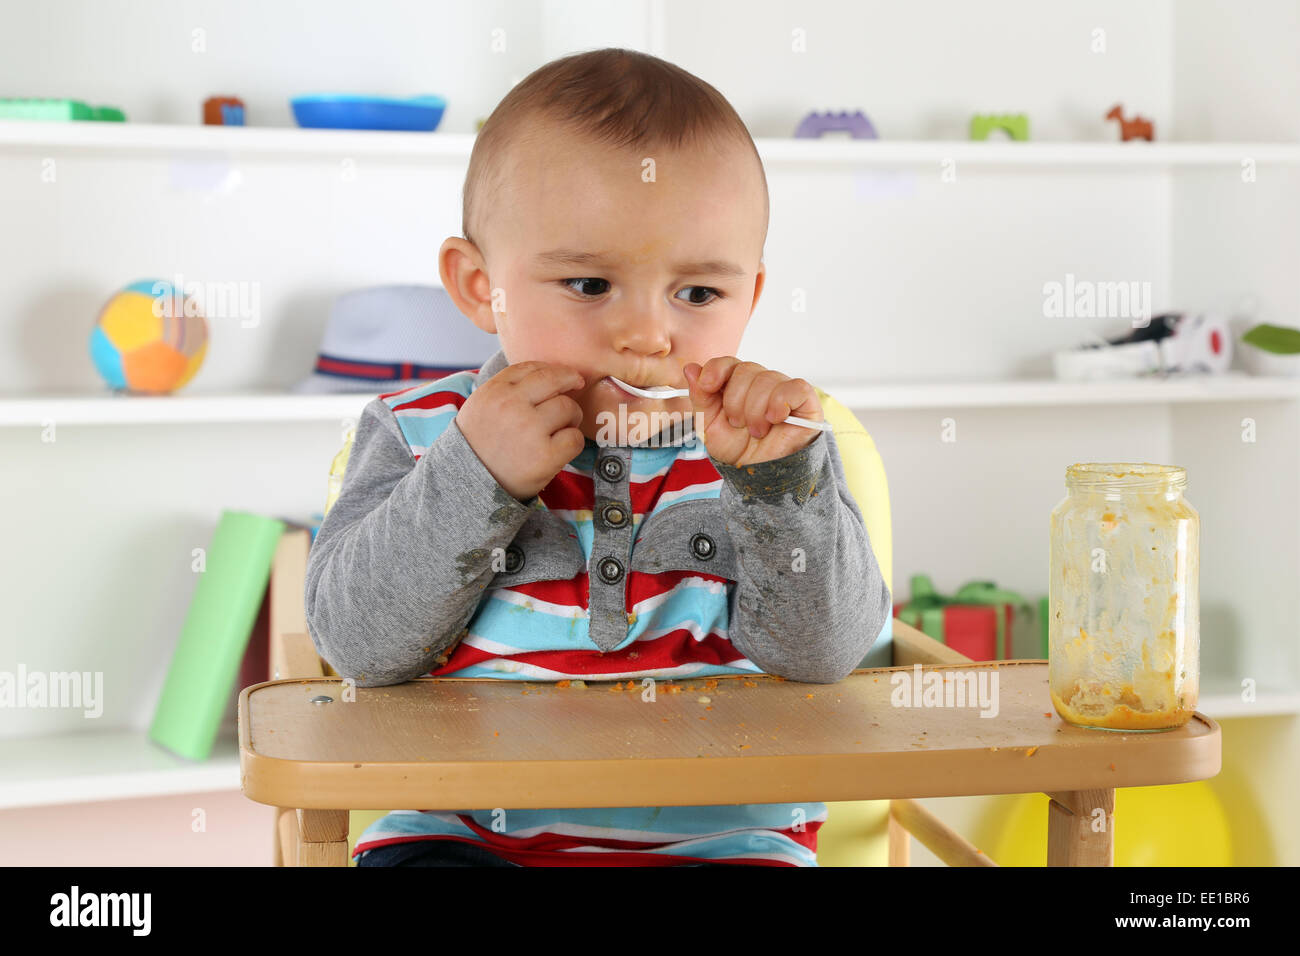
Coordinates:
740 406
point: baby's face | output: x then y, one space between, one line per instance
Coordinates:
611 272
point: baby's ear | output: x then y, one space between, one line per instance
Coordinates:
464 276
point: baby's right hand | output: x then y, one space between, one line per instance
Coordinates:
522 426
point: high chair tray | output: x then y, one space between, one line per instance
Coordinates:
455 744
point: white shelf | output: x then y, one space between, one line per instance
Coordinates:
832 151
122 409
112 765
1266 704
1050 392
267 406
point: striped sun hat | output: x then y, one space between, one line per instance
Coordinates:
386 338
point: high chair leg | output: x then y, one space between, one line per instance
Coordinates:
1081 828
282 836
286 837
900 843
321 838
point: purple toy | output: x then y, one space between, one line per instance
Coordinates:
856 124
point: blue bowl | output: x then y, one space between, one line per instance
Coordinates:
354 111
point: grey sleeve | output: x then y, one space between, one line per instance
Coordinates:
401 560
810 599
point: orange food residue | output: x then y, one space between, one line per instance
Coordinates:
1030 751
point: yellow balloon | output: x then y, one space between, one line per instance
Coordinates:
1179 825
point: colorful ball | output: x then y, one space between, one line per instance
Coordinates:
149 338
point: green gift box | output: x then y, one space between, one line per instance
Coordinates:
981 621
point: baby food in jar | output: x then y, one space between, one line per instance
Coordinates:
1124 616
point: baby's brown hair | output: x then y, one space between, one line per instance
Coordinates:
615 97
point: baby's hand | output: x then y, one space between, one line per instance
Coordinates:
522 426
741 406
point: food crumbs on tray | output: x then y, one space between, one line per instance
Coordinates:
672 689
806 696
703 718
993 748
562 683
710 707
1047 715
1030 752
711 684
1112 766
705 700
744 746
496 733
578 683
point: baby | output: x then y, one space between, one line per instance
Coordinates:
531 520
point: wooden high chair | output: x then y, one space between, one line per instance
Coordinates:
453 743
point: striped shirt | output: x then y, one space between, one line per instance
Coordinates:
630 563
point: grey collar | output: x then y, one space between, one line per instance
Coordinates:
493 365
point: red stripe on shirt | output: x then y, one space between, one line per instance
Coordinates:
670 650
432 400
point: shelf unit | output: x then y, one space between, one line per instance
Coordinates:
143 138
1178 233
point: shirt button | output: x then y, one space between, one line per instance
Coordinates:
611 468
702 546
614 514
611 571
514 559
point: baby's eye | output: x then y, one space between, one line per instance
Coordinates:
713 292
568 283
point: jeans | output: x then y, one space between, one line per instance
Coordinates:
448 853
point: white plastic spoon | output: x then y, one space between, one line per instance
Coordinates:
667 391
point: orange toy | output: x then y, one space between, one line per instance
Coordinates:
1135 128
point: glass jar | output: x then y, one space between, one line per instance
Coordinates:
1124 615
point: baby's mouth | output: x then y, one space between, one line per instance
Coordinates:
609 380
